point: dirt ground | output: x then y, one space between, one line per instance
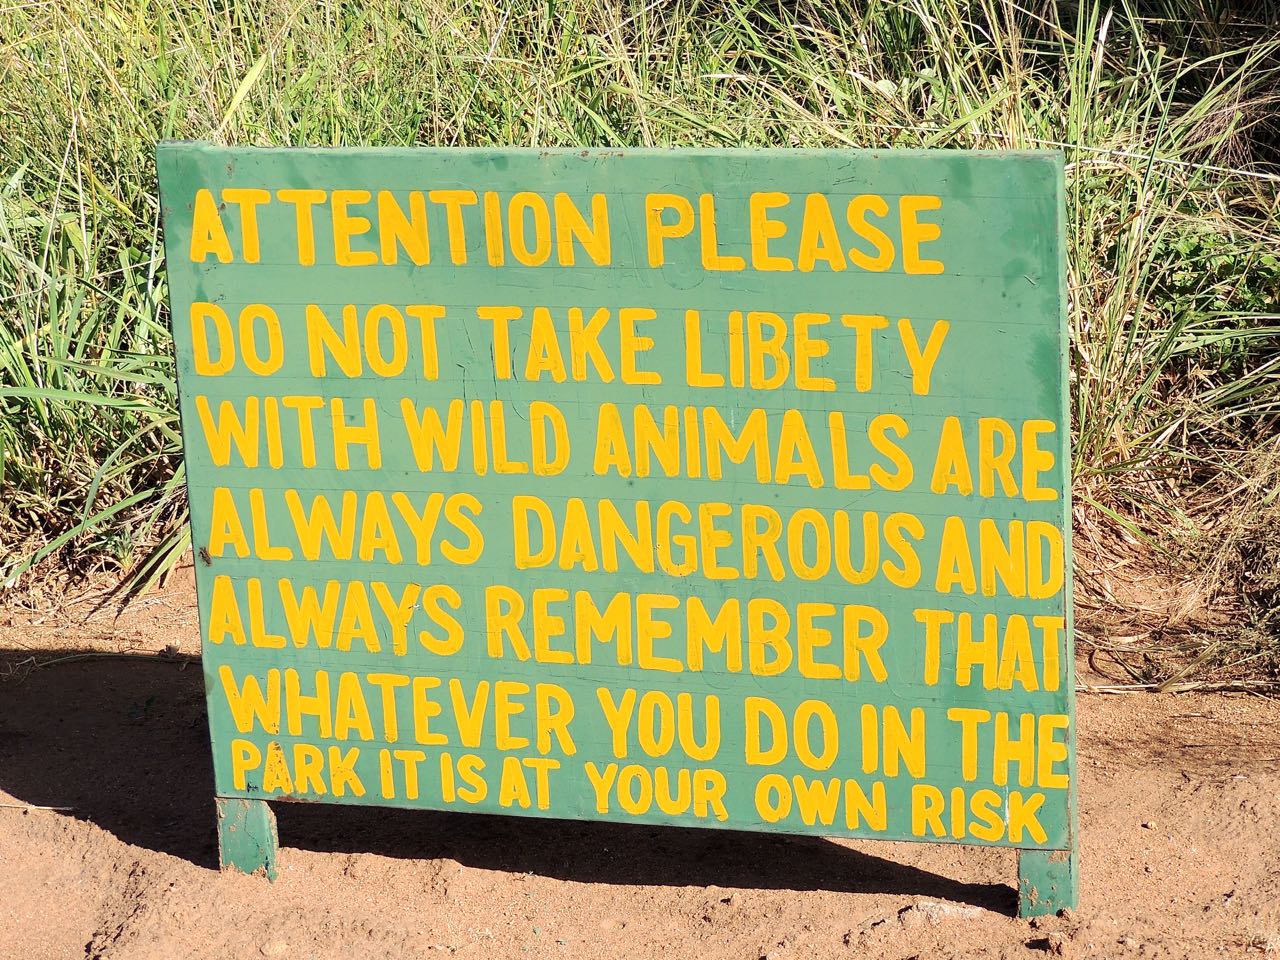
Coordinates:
107 846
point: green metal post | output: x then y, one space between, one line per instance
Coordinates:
247 836
1048 881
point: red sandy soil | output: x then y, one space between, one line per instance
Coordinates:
1180 817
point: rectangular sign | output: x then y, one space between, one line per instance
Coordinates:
721 488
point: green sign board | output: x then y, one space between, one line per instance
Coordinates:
716 488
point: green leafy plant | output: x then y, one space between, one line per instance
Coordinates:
1164 110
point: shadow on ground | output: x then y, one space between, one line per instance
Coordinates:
122 741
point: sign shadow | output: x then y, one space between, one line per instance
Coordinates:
121 741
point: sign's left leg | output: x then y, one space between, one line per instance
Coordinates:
247 836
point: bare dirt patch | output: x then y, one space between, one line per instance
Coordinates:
103 718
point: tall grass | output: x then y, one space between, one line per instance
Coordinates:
1165 110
